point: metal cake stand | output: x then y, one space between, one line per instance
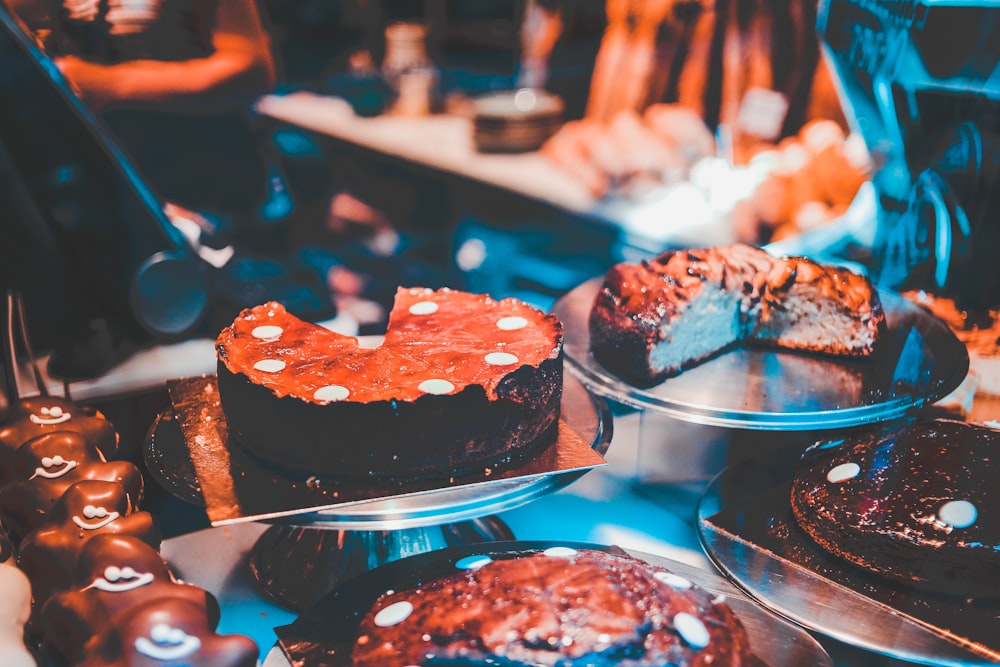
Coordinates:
747 528
917 362
307 552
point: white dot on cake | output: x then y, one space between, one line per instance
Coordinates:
424 308
511 323
958 513
473 562
267 332
269 365
436 386
675 581
843 472
394 614
560 552
332 392
501 359
692 630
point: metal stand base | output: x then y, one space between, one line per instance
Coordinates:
295 566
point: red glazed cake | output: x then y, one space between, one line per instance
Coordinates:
654 319
914 503
562 606
460 382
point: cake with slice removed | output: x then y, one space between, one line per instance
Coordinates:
460 382
653 319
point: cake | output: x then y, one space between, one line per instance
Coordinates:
561 606
460 382
653 319
913 503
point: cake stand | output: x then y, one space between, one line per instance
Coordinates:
747 527
307 552
748 389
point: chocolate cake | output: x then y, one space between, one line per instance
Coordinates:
914 503
460 382
562 606
653 319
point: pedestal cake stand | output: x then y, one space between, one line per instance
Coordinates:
324 533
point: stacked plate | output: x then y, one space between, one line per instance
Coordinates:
515 121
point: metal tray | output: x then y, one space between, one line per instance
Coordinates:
323 635
917 362
234 488
746 526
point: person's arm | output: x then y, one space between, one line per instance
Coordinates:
240 69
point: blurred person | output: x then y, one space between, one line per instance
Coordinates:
173 81
676 80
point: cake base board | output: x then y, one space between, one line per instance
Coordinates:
323 635
189 451
746 525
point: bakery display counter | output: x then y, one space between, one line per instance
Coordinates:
444 144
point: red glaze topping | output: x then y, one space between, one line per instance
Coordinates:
437 342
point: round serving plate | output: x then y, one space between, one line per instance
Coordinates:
323 634
747 528
917 361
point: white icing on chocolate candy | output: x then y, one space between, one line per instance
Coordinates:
692 630
50 416
843 472
267 332
62 466
167 643
332 392
121 579
958 513
394 614
500 359
436 386
90 512
424 308
511 323
270 365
